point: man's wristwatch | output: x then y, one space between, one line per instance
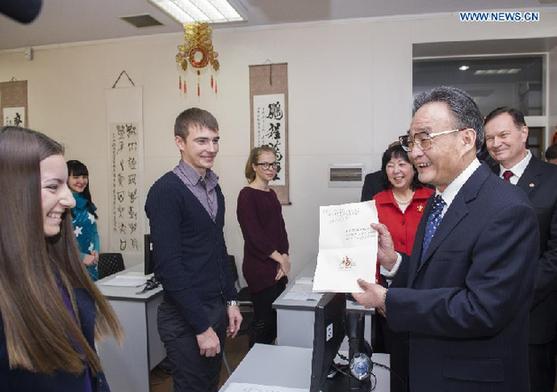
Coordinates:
232 303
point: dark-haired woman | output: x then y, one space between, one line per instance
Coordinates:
399 207
50 310
84 217
266 261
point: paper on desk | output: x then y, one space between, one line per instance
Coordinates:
312 297
126 281
347 247
301 291
305 280
243 387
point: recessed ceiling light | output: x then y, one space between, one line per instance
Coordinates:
464 68
188 11
500 71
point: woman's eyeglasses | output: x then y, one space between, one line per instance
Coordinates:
267 165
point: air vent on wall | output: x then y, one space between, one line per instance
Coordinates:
346 175
140 21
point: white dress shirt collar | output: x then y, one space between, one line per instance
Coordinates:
454 187
518 169
448 196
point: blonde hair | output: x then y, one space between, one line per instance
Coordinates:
252 160
41 334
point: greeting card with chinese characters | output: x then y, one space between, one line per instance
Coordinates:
347 247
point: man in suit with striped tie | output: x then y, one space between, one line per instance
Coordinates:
506 136
464 294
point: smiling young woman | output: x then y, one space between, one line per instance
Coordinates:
84 217
50 310
266 260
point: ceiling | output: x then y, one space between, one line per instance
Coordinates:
64 21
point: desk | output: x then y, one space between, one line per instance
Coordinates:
127 368
291 367
295 318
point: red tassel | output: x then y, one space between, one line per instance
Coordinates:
198 90
185 87
180 83
211 82
216 89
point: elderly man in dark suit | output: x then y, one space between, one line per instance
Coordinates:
506 135
464 294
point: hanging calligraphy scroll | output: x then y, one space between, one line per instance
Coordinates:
269 118
13 103
125 126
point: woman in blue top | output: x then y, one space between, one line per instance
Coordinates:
84 217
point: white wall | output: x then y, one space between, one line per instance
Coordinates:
350 92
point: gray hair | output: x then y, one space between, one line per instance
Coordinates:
465 111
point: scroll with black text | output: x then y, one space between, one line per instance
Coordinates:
13 103
125 129
269 118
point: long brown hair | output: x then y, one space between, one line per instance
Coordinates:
41 335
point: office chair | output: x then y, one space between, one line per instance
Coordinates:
110 263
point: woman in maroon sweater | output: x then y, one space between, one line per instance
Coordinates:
266 261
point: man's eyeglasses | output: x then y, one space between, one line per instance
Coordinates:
423 140
267 165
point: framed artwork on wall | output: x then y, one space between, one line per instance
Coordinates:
13 103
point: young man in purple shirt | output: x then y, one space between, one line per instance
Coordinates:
185 208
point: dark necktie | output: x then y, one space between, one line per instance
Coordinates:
433 221
507 174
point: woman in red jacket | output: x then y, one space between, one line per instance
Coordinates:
400 207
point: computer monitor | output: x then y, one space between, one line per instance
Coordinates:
328 333
148 261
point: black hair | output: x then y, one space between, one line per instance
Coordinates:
551 152
395 150
465 111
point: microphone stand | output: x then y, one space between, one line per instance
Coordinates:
355 324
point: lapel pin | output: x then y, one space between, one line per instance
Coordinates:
420 208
